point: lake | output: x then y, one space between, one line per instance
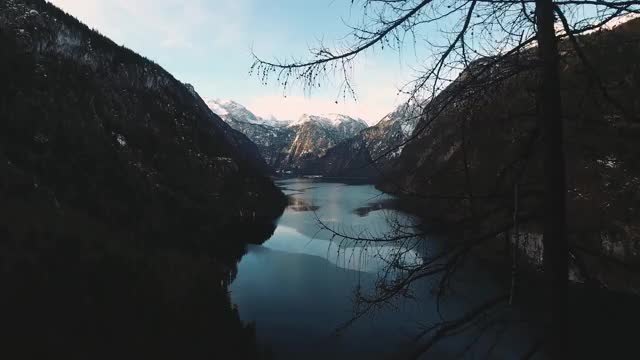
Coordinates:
299 287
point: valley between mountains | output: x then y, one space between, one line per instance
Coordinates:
331 145
136 215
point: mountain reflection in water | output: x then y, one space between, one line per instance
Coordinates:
299 286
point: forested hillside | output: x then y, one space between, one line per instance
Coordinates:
479 138
119 195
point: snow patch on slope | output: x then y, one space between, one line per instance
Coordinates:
216 108
332 120
227 109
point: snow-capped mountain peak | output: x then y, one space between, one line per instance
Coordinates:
229 109
226 108
216 108
337 119
332 120
287 145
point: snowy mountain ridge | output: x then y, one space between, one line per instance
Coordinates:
288 145
330 119
228 108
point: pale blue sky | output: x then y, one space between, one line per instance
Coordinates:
207 43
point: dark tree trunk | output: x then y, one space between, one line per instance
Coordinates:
555 240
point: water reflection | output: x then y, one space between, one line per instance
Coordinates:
300 232
298 287
344 254
299 204
375 206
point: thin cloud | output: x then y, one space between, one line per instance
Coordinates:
173 24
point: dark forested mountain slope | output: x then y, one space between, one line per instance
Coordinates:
477 147
95 124
121 197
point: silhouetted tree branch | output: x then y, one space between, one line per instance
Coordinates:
483 44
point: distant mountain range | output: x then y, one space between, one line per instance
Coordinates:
329 144
289 146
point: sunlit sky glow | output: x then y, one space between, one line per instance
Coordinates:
208 43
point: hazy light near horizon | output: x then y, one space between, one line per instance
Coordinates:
292 107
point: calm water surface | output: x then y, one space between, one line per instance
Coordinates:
298 287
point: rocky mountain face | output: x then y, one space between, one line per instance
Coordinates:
289 146
480 137
315 135
369 153
273 138
123 200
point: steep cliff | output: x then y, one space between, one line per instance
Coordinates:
369 153
314 136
